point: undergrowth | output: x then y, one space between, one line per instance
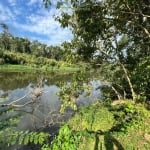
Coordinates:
113 127
94 127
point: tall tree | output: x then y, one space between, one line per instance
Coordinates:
116 32
5 37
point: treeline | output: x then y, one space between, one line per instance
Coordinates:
18 50
23 45
9 57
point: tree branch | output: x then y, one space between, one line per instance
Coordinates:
132 13
146 31
129 81
116 92
19 99
12 104
15 105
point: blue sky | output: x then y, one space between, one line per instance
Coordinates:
30 19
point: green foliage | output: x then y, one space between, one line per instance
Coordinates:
8 121
67 139
1 61
29 62
141 78
22 45
10 136
133 124
114 36
113 127
92 117
12 121
129 115
70 92
22 58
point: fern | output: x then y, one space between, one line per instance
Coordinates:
11 137
32 137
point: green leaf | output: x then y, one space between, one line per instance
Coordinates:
26 139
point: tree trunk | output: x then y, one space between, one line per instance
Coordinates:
116 92
129 82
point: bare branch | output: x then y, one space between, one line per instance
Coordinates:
143 28
116 92
19 99
15 105
132 13
146 31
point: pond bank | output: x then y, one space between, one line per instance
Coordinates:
28 68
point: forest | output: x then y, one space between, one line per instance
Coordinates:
22 51
112 43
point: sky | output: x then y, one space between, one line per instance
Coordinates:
30 19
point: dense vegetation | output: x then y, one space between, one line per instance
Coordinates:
10 43
21 51
113 37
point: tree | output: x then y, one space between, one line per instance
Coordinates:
5 37
117 33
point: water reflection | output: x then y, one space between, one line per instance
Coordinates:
45 111
15 80
41 113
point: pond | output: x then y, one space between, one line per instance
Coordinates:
18 87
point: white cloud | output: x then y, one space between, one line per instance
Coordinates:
47 26
16 9
31 2
35 3
12 2
6 14
39 23
42 23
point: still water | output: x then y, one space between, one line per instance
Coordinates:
19 86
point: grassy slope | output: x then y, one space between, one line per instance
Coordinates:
31 68
124 126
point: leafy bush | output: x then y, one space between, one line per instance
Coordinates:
67 139
92 117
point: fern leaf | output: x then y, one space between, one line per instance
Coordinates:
26 139
32 136
36 139
21 138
